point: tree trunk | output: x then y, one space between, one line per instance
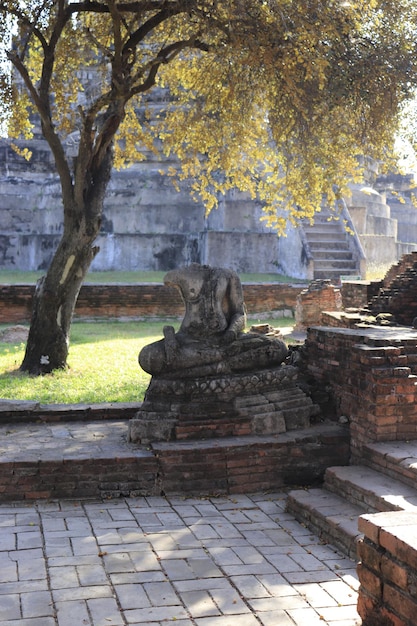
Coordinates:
53 307
57 292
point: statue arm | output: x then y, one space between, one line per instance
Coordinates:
237 320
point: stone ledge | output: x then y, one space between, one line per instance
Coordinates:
31 411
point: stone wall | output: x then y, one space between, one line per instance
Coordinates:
144 300
147 223
388 569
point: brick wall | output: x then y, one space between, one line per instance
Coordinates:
372 374
133 301
399 292
319 296
357 294
387 569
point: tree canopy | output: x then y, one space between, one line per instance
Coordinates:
277 97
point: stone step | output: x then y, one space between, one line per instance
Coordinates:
331 263
324 227
370 489
333 274
328 245
397 459
324 235
336 254
328 515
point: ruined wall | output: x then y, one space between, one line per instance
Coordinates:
372 375
135 301
147 224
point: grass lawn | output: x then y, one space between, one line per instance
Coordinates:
102 363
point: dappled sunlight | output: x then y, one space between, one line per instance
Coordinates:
102 364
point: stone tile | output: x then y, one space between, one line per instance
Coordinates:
27 540
119 562
204 568
37 604
132 596
204 531
84 545
284 563
8 540
161 593
155 614
277 586
144 561
202 584
283 603
81 593
31 569
255 568
316 595
136 578
302 617
177 569
63 577
10 608
229 602
8 571
277 618
340 591
230 620
298 578
338 613
308 562
23 586
105 612
224 556
199 603
92 575
71 612
31 621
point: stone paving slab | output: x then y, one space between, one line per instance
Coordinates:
215 561
66 440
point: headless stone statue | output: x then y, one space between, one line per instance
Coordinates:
210 340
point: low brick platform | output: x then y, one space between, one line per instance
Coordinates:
73 459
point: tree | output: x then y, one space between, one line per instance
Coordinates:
275 97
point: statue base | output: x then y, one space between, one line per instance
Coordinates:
256 403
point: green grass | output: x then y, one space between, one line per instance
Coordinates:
102 363
11 277
377 271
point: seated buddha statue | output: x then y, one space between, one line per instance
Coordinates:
211 339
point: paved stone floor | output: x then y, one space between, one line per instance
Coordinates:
229 561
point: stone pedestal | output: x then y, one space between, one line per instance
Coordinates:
260 402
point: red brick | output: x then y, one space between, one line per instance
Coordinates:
394 572
370 581
370 554
402 604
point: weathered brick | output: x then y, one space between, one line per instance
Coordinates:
370 581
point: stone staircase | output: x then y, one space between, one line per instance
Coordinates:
386 482
329 247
